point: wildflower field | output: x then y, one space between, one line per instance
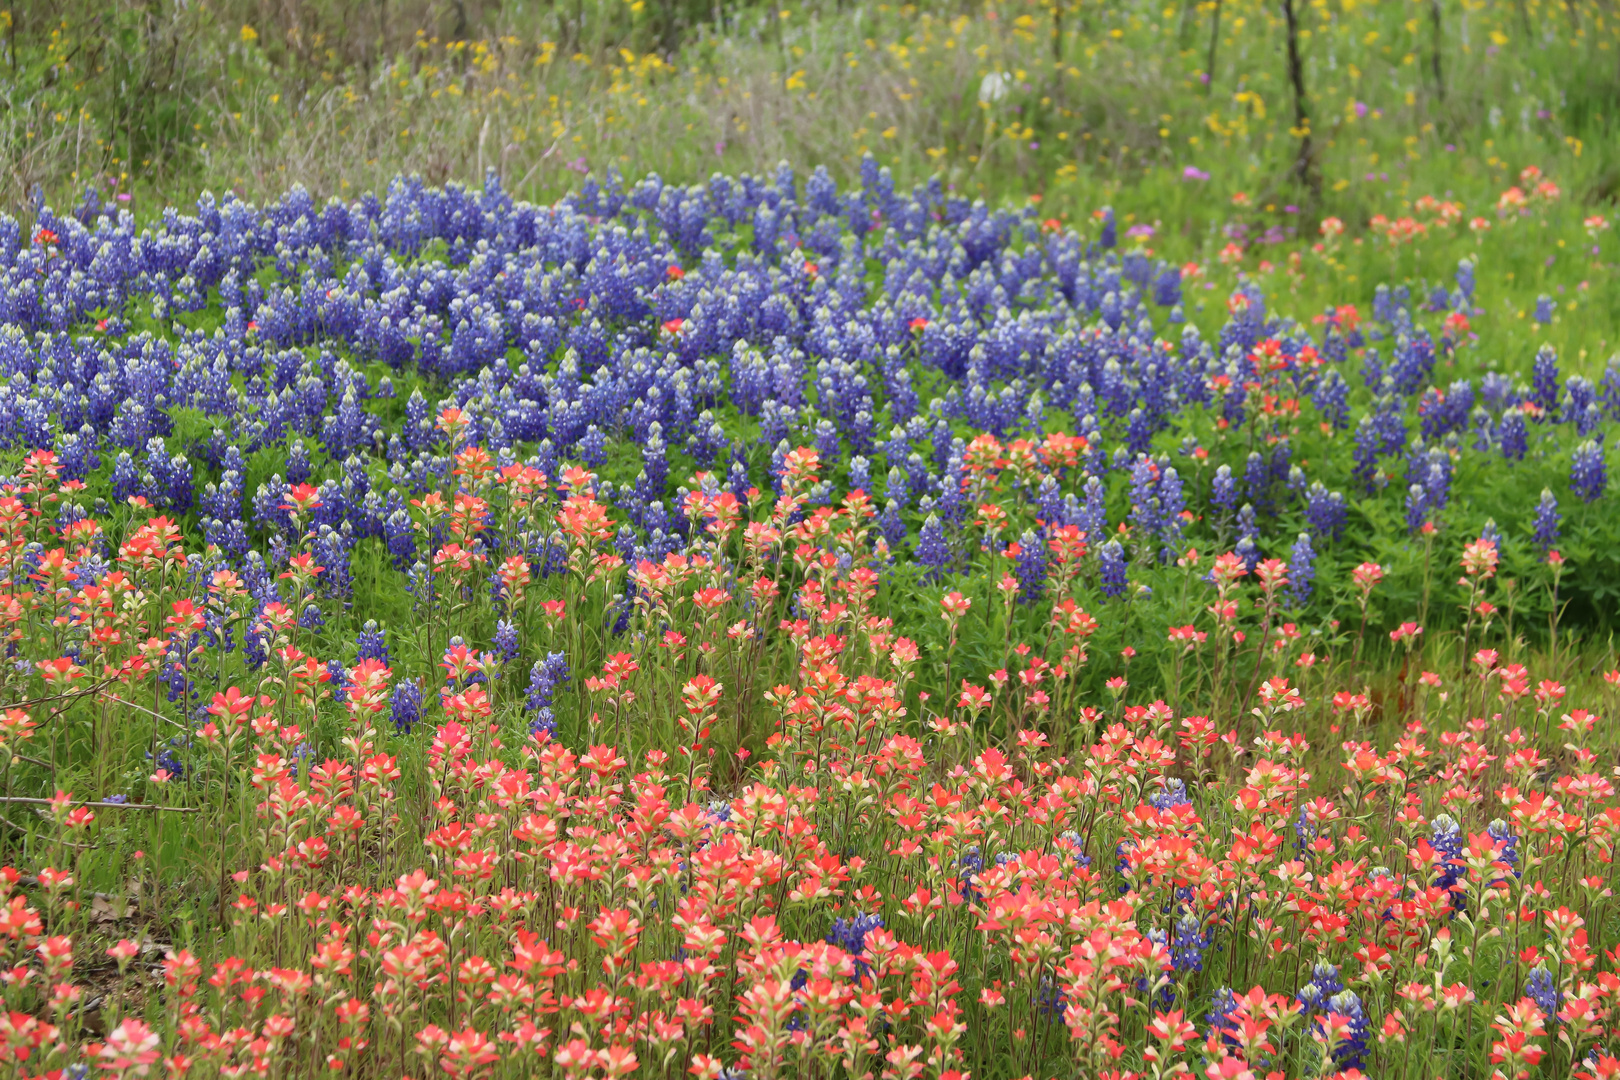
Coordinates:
1100 564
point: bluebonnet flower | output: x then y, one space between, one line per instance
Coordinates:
1364 454
546 677
850 935
544 722
1122 863
126 480
860 474
1248 526
1172 502
1465 278
1608 394
1257 481
1588 472
1051 999
1070 841
298 468
1301 571
505 641
1305 831
1544 380
971 864
1412 361
1351 1051
1030 567
1167 288
1498 830
1372 370
1223 1017
372 643
1111 565
1437 485
1446 837
168 758
1171 795
400 536
1189 944
593 447
1247 550
1109 236
1580 399
1497 391
1513 435
1325 982
1325 511
1541 989
405 706
1093 517
1223 489
1547 519
1145 507
1384 304
1544 308
337 680
1331 395
892 525
931 550
1417 507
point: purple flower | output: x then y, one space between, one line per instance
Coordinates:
1513 435
1544 379
1541 989
1546 520
372 643
931 550
1030 567
1417 507
405 706
1301 570
1193 172
1111 565
1588 472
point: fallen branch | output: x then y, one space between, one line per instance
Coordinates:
72 695
148 712
103 805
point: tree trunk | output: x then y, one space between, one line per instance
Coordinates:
1214 40
1305 164
1434 59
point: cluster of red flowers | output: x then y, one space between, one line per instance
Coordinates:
849 871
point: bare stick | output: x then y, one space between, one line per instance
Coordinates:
104 805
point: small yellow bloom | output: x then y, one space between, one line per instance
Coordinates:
249 34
